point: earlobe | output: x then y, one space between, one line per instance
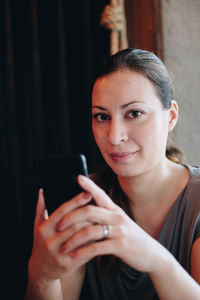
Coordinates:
173 115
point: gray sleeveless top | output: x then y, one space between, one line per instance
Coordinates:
181 228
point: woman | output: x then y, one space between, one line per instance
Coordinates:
145 242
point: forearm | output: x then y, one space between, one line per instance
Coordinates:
172 282
68 288
38 291
72 284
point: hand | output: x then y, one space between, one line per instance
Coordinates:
47 263
126 239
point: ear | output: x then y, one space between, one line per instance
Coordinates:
173 115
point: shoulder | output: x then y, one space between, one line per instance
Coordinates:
191 200
194 172
188 203
194 181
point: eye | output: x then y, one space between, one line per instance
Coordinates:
100 117
134 114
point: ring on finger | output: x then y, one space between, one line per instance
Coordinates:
106 231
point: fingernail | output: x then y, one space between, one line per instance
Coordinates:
46 215
83 178
40 191
86 195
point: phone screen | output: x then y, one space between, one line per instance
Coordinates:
58 178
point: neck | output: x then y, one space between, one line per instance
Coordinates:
152 194
145 189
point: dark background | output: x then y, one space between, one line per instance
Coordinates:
49 51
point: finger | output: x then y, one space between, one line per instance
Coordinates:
100 197
89 251
63 236
85 236
93 214
40 209
78 201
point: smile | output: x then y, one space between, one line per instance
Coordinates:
121 156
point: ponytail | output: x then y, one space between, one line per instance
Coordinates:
174 153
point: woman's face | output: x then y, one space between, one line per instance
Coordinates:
130 125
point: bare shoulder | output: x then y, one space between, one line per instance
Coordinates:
72 284
195 260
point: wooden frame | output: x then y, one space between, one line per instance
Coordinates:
144 25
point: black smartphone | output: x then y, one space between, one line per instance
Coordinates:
58 178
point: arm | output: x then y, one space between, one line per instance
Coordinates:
51 275
178 283
195 260
72 284
36 290
66 288
171 281
130 243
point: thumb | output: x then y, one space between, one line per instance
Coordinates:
41 212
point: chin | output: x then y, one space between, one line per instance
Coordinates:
125 170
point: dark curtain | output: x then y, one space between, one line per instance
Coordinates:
49 51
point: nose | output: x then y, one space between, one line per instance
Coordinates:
117 132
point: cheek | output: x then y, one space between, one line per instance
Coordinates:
157 135
98 136
151 135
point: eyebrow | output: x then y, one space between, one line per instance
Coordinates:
122 107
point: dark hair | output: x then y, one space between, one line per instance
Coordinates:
149 65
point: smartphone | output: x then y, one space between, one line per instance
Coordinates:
58 178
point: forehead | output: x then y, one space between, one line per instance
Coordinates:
122 86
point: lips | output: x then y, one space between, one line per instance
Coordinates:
121 156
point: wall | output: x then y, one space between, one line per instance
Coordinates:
181 38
